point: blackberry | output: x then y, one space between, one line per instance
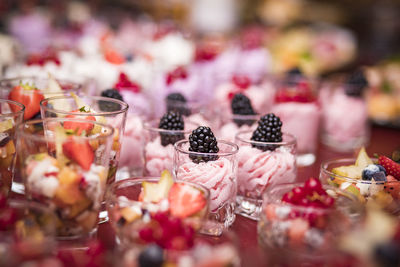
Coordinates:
356 84
293 76
171 121
268 131
110 106
203 140
152 256
294 72
388 254
241 105
177 102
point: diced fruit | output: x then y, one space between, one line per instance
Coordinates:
351 188
185 200
98 128
374 171
67 176
129 214
29 96
79 207
6 125
363 160
297 230
80 152
392 186
69 194
80 103
391 167
351 171
79 127
89 221
155 192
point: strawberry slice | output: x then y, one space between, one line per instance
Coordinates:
184 200
29 96
80 152
391 167
79 127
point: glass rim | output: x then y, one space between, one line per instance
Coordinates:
16 113
148 126
255 117
292 140
178 148
289 186
76 86
43 138
98 98
133 181
325 164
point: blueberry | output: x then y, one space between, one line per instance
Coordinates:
374 171
152 256
388 254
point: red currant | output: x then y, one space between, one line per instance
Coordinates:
313 185
8 217
3 200
328 201
298 194
288 197
146 234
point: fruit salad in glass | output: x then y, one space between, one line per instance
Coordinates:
12 113
157 210
66 169
305 219
368 179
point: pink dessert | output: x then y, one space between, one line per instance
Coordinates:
217 176
230 129
158 157
259 169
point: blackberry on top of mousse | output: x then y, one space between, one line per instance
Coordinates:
357 82
241 105
110 106
177 102
171 121
202 140
268 131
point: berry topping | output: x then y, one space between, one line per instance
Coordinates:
177 102
356 84
110 106
178 73
374 171
206 52
79 127
241 105
268 131
152 256
391 167
125 84
294 72
203 140
29 96
80 152
42 59
171 121
241 81
184 200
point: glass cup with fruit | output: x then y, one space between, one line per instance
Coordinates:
297 106
205 160
161 136
304 220
27 231
12 113
157 210
368 179
66 169
263 160
345 124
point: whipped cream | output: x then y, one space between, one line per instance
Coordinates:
158 157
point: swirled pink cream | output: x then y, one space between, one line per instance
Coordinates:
258 169
217 176
133 142
229 130
158 157
302 121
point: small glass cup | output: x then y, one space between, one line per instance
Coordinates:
12 113
236 123
345 124
384 193
66 171
219 175
261 165
159 148
300 114
305 233
128 215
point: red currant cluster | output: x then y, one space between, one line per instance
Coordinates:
313 196
178 73
41 59
94 255
300 93
125 84
168 232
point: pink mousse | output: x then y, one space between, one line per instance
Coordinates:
344 117
301 120
133 142
229 130
217 176
158 157
258 169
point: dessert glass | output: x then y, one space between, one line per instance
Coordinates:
12 113
300 115
66 172
345 124
258 169
306 233
384 193
156 156
219 176
123 202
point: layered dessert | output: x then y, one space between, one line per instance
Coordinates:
7 154
151 205
266 157
344 113
367 179
198 161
